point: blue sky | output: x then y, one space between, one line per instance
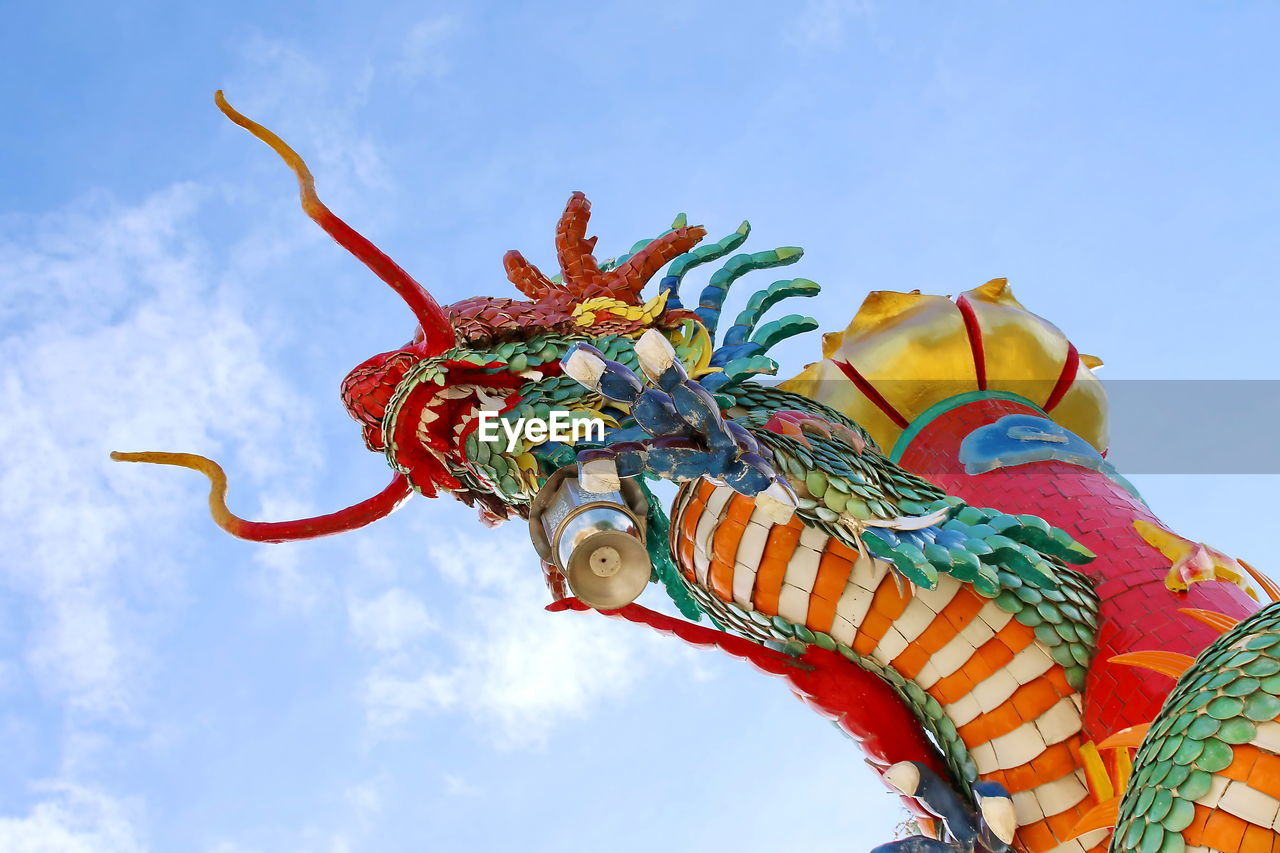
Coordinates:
163 687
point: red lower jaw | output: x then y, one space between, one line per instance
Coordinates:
423 468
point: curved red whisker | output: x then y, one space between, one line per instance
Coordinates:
355 516
437 330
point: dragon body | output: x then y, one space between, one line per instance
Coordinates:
919 533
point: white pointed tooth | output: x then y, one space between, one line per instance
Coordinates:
489 401
903 777
428 415
466 419
454 392
999 814
535 375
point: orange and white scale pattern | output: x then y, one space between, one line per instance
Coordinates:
1009 701
1241 810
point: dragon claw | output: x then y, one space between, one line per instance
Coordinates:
599 476
778 502
997 812
656 356
680 433
989 829
586 365
903 777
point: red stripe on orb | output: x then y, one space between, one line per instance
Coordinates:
1069 369
974 331
869 391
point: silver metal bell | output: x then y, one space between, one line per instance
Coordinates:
596 540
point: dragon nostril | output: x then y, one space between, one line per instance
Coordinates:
367 390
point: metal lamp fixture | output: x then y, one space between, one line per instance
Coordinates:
596 540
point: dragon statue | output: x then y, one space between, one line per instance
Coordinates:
920 532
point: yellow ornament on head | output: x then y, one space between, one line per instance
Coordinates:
905 353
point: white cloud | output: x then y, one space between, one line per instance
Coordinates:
295 95
425 53
116 337
823 23
500 658
73 819
456 786
367 801
527 670
285 582
389 622
392 697
122 327
309 840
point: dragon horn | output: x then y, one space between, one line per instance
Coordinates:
437 330
573 248
629 278
354 516
527 278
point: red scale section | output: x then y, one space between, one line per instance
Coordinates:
1138 613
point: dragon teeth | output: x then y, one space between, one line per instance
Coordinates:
455 392
463 421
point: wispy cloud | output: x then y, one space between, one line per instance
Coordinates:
282 84
824 23
426 47
366 800
73 819
456 786
119 332
499 657
123 328
285 582
391 621
395 693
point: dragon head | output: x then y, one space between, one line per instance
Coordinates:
421 404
